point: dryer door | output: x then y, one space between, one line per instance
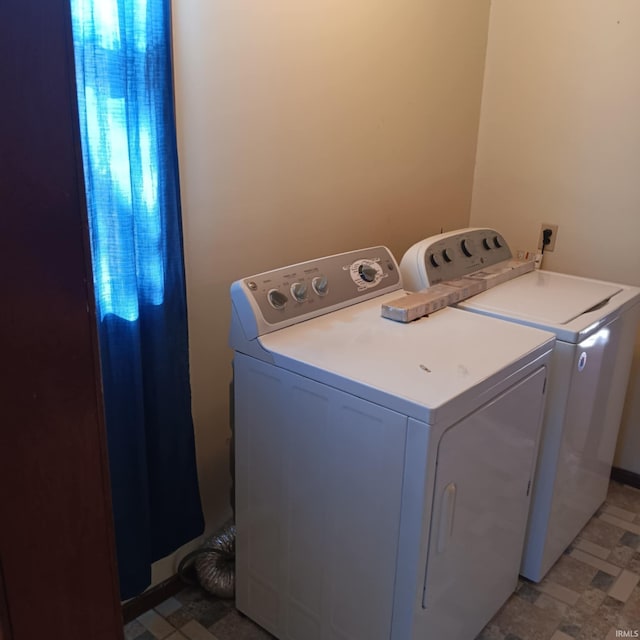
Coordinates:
481 501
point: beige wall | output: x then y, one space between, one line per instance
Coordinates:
559 142
307 128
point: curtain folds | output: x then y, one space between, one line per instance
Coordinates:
127 123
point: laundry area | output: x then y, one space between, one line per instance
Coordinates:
402 456
386 274
319 131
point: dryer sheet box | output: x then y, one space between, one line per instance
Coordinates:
416 305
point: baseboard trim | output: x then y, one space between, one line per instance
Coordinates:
151 598
626 477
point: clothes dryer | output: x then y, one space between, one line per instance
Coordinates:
595 324
383 471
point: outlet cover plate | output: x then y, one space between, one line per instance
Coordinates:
554 234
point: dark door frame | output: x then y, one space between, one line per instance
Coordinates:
56 533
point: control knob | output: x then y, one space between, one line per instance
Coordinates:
320 285
299 291
277 299
367 272
465 248
446 256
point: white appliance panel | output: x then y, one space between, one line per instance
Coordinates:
430 362
616 369
581 477
581 423
319 484
485 469
543 297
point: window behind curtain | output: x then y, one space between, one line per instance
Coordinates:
121 135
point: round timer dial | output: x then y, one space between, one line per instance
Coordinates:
366 273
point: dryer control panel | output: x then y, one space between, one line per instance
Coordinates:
279 298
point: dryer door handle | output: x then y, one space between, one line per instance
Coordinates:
447 509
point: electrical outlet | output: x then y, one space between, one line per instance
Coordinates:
552 240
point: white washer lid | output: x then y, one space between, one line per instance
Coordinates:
543 297
429 363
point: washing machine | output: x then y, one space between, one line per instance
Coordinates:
383 470
595 325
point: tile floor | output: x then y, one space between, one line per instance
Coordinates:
592 593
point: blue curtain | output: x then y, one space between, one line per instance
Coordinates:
127 124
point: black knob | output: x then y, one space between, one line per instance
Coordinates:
496 242
486 245
277 299
434 260
465 248
367 272
446 256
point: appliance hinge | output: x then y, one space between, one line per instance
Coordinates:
528 487
544 386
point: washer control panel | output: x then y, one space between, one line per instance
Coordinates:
454 255
297 292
